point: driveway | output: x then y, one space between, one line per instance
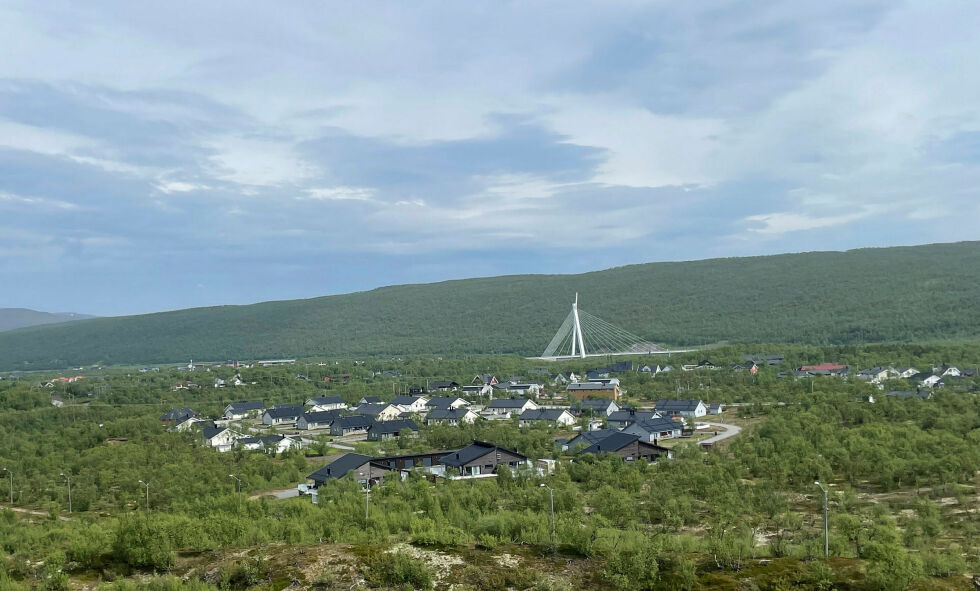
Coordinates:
729 431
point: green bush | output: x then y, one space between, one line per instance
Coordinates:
396 569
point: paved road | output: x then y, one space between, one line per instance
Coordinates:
730 431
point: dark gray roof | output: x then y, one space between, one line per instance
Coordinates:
246 406
323 416
446 413
600 404
179 414
630 415
285 411
326 400
542 414
590 437
441 401
393 426
471 452
211 431
372 400
666 405
372 410
353 422
614 442
405 400
442 384
340 467
657 425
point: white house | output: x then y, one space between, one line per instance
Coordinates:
379 412
325 403
237 411
282 414
317 420
684 408
410 404
906 372
560 417
446 402
505 407
932 381
479 390
450 416
220 438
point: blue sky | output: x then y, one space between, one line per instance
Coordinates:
232 152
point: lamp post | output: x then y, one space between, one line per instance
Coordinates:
11 476
147 486
826 529
239 484
551 494
68 479
367 495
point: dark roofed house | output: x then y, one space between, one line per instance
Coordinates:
351 425
628 447
282 413
480 458
361 467
450 416
240 410
509 406
410 403
683 408
554 416
653 430
179 415
764 359
318 420
384 430
622 418
619 366
370 400
443 386
445 402
321 403
587 438
602 407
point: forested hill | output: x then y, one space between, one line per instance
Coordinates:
11 318
859 296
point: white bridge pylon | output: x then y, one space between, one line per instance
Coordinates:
584 335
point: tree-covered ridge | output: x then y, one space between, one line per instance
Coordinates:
860 296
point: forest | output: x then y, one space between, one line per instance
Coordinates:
902 475
901 294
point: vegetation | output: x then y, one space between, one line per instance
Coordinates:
902 474
861 296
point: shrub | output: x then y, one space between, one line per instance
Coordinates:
395 569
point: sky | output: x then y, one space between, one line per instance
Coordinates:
163 156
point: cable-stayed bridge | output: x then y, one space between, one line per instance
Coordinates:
584 335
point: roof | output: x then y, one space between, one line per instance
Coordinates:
658 425
509 403
543 414
475 450
393 426
593 385
447 413
370 409
340 467
281 411
590 437
601 404
613 442
326 400
179 414
443 384
667 405
245 406
323 416
405 400
823 367
372 400
442 401
630 415
353 422
211 431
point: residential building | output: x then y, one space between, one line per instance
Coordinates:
410 404
586 439
559 417
443 386
324 403
220 438
242 410
653 430
379 412
450 416
510 406
481 458
606 388
318 420
282 414
351 425
384 430
628 447
622 418
361 467
683 408
599 408
444 402
179 415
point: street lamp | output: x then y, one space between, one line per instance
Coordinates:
551 494
68 478
11 476
239 481
826 529
147 486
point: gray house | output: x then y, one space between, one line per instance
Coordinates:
622 418
480 458
351 425
241 410
652 430
384 430
684 408
598 408
282 414
318 420
361 467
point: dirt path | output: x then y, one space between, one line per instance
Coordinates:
33 512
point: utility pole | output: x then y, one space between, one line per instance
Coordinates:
551 494
826 528
367 496
238 482
68 478
147 486
11 476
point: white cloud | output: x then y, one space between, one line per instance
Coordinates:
169 187
784 222
340 193
36 203
260 162
51 142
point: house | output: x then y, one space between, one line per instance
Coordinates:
622 418
650 369
596 374
606 388
444 402
281 414
485 379
220 438
583 440
219 383
628 447
268 443
553 416
523 389
324 403
824 369
906 372
703 364
969 373
946 371
619 367
749 366
370 400
379 412
361 467
384 430
481 390
242 410
932 381
876 375
509 406
317 420
565 378
480 458
443 386
601 407
187 424
410 404
450 416
764 359
716 409
684 408
185 385
351 425
179 415
653 430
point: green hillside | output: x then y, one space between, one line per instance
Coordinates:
867 295
11 318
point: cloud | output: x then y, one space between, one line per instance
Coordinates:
341 193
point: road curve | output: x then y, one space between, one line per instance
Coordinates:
730 431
